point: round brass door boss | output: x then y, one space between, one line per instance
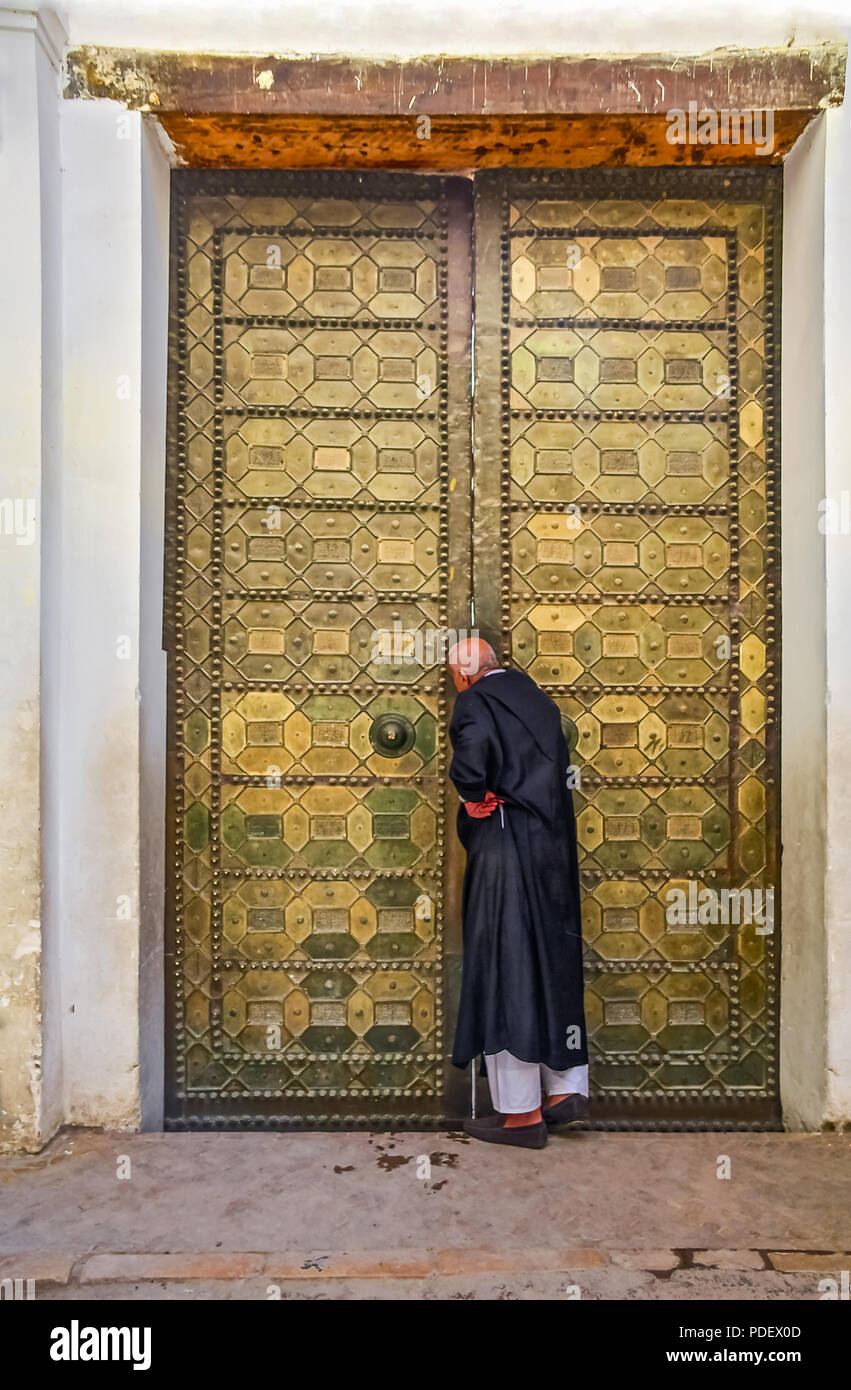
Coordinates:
391 735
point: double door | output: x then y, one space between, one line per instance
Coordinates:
540 406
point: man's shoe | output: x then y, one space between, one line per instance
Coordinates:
492 1129
570 1113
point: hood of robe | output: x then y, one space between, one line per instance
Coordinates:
519 694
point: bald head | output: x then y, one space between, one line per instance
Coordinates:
470 659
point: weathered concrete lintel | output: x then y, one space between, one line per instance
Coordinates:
726 79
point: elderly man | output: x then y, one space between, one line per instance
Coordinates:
521 990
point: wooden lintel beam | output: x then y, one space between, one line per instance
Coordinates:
458 143
785 79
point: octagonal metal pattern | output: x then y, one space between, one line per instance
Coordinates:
319 495
627 496
625 552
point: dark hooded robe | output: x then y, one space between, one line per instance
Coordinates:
521 987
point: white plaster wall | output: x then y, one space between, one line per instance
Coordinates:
99 644
401 28
837 392
20 483
50 180
803 991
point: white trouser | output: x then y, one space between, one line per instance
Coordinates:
516 1086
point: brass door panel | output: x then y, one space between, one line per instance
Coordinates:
319 495
626 555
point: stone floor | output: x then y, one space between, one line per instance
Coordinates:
437 1216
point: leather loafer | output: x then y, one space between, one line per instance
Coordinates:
569 1113
492 1129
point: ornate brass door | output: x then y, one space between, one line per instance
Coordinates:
319 498
624 543
626 498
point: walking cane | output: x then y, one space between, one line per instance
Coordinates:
473 1088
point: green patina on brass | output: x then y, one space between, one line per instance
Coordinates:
627 501
319 497
624 545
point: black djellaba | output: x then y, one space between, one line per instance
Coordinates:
521 987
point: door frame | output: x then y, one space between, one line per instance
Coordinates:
805 838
